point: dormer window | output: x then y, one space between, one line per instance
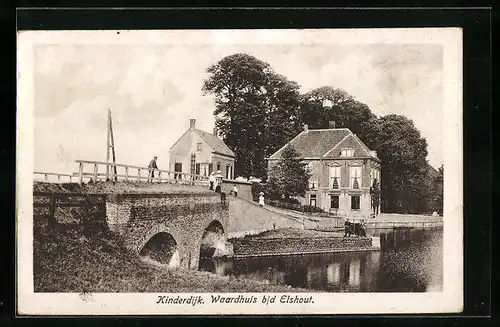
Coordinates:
313 184
347 152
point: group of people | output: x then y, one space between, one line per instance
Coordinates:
214 185
358 229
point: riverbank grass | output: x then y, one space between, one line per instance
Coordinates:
67 260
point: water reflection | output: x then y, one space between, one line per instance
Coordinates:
410 260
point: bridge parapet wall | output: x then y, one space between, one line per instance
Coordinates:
244 188
138 217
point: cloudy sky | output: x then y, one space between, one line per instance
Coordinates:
154 89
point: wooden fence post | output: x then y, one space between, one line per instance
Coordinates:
126 174
159 176
52 217
95 172
138 174
80 173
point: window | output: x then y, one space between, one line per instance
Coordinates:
355 202
193 163
334 202
218 166
204 169
347 152
198 147
335 177
313 184
210 168
197 169
355 177
228 172
312 200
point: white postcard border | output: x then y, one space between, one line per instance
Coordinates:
449 300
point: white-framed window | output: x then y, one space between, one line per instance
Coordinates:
313 184
312 200
355 202
198 146
204 169
355 180
335 177
347 152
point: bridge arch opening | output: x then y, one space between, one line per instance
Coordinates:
214 242
161 250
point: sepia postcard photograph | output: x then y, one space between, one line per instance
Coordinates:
172 172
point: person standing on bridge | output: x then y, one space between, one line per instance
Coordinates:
261 199
235 191
211 179
152 166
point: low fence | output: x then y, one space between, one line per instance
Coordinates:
53 177
121 172
45 204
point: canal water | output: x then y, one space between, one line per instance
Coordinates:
410 260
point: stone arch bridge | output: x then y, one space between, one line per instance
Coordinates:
170 228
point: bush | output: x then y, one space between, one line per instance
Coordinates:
294 206
308 208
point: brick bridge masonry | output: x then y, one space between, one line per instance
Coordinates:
137 218
188 218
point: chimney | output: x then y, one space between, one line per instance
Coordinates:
215 131
192 123
331 124
306 128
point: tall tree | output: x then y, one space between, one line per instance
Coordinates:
282 123
256 109
405 185
342 108
289 177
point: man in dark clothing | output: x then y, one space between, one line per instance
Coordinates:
347 228
152 166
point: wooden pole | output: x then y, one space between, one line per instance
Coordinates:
80 173
107 144
95 173
112 143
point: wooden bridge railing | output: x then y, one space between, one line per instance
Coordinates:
115 172
52 177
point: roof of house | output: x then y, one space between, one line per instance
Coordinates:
324 143
215 143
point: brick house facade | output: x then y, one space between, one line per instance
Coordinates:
343 170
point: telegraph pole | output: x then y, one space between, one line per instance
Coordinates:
110 146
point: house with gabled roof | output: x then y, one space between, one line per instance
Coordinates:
198 152
343 170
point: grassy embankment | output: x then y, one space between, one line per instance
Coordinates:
65 260
68 260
